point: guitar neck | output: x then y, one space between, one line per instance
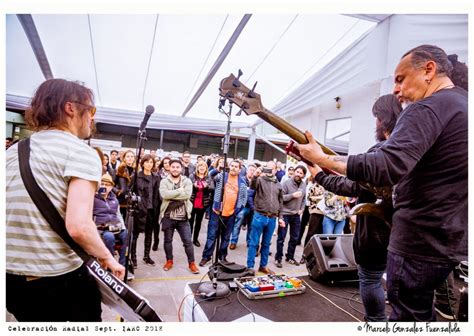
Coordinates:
284 126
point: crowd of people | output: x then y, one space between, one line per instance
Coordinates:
177 195
421 151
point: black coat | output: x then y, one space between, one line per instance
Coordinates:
207 191
143 192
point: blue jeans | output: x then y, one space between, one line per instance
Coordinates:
411 284
109 239
227 225
294 222
372 293
331 226
261 225
242 216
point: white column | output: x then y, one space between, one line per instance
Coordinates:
252 139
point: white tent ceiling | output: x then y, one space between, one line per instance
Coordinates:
129 64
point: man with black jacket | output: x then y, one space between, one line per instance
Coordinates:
426 157
372 234
268 203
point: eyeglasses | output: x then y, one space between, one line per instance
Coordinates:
93 108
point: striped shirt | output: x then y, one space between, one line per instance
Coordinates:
32 247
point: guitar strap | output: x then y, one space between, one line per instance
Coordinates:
114 293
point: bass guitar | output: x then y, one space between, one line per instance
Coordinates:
250 102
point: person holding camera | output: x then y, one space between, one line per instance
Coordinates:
268 203
146 220
107 218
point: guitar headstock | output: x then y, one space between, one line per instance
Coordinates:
236 92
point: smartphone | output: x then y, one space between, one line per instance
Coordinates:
102 190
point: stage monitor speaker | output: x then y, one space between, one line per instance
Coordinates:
330 258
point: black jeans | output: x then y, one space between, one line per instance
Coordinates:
73 296
293 221
148 235
411 284
184 231
304 222
315 226
196 214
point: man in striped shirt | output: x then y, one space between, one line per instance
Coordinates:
45 279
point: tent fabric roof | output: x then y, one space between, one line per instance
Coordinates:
374 56
116 55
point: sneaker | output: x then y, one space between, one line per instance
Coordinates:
149 261
292 262
193 268
302 261
197 243
168 265
130 276
265 270
278 263
445 311
203 262
155 246
232 246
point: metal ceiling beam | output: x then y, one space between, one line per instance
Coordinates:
218 62
29 27
271 143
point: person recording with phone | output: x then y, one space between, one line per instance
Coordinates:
107 218
268 203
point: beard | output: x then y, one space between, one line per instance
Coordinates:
297 179
175 174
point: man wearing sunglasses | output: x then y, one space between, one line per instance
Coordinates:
45 280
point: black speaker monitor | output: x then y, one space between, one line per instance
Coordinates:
330 258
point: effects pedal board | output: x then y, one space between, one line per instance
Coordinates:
270 286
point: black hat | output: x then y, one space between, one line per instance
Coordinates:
175 161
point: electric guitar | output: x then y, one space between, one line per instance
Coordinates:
250 102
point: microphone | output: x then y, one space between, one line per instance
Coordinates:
148 112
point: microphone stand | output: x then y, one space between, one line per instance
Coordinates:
214 288
132 203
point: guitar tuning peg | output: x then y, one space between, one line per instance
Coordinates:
236 81
251 93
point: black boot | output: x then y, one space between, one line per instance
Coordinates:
149 261
155 245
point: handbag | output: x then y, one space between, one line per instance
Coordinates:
114 292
